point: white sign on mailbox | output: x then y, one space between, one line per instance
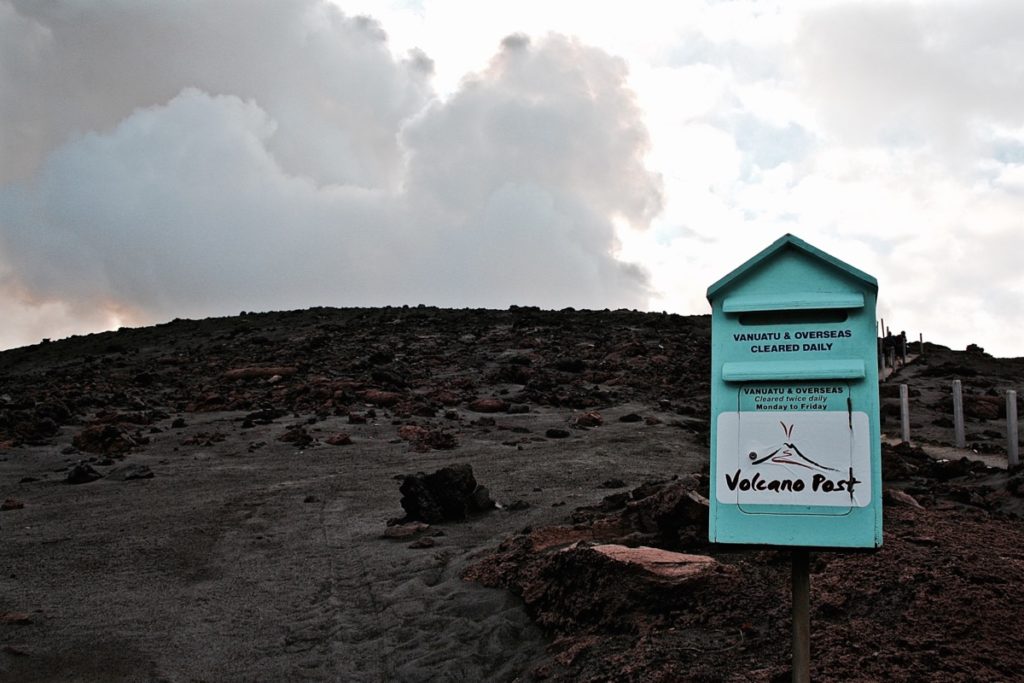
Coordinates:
794 458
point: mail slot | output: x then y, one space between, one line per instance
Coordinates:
795 451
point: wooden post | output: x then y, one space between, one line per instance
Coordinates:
903 349
920 342
801 616
1012 435
881 356
958 415
904 413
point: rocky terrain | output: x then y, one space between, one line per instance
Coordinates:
423 494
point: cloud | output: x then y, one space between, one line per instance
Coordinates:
914 75
887 133
195 159
329 80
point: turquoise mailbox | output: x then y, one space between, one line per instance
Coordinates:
795 452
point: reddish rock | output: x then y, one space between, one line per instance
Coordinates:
897 497
488 405
381 399
439 440
108 439
662 564
18 618
412 432
298 436
590 419
11 504
447 398
424 439
984 407
339 439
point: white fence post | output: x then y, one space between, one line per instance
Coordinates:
1012 436
958 415
904 413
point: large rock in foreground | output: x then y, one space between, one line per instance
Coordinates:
658 564
449 494
613 587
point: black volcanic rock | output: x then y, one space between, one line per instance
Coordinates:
82 473
449 494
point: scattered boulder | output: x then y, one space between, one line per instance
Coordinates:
412 432
488 405
130 472
897 497
449 494
556 433
297 435
439 440
108 439
339 439
589 419
610 586
204 439
630 417
381 399
424 439
263 416
16 618
662 564
983 407
676 511
82 473
33 429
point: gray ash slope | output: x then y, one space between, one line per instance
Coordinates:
257 549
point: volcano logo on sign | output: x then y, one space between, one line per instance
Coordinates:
788 454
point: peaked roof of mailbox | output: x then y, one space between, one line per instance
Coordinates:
785 242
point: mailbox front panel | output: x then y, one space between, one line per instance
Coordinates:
795 454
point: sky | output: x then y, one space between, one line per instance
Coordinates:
186 158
